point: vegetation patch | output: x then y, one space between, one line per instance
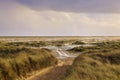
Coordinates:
78 43
77 49
17 62
101 62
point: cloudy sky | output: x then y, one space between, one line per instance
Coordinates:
59 17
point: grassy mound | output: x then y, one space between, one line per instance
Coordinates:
100 63
16 63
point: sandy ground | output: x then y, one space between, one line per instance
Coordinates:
53 73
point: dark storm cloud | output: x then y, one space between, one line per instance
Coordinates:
100 6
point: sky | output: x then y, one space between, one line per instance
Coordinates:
59 17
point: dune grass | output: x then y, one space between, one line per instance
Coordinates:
101 62
17 62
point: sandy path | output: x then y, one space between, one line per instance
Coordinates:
41 72
53 73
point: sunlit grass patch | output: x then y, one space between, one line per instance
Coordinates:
24 61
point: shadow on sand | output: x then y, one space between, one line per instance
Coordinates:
56 73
